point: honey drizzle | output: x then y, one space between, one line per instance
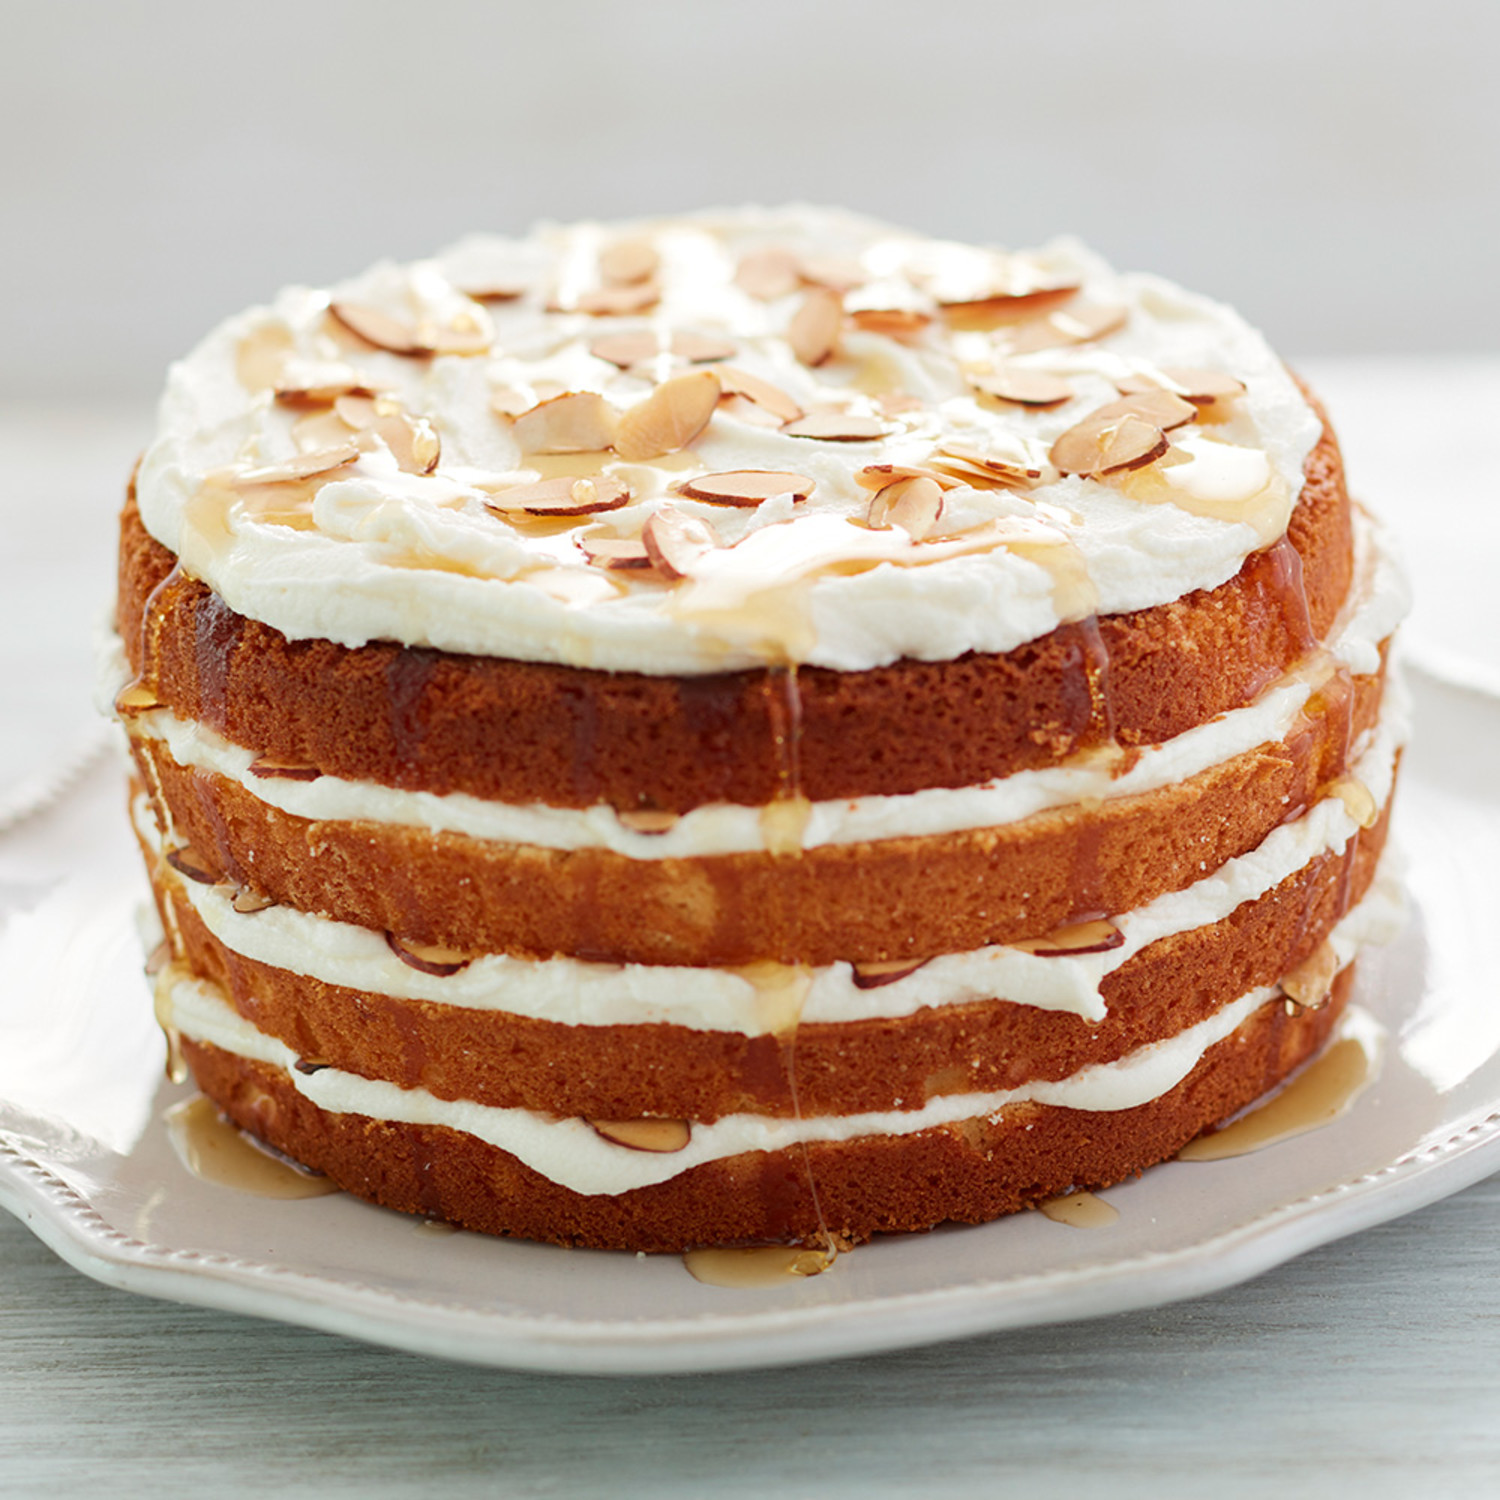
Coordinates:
215 1150
1079 1210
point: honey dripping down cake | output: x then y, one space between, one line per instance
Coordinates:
758 727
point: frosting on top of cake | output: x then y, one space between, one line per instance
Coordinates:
699 444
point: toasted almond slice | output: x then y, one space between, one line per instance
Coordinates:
987 461
768 273
913 504
747 487
248 902
1023 387
996 308
1108 445
674 541
1166 410
652 820
615 551
836 427
878 476
893 403
564 496
412 440
1099 935
159 957
575 422
619 301
1192 384
839 273
283 770
625 262
626 349
702 348
465 335
1310 983
303 466
736 382
506 401
1078 323
321 395
893 322
379 329
429 958
135 698
491 291
191 865
645 1135
815 327
747 411
310 1065
872 976
669 418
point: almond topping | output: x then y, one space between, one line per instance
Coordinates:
303 466
669 418
996 308
428 958
506 401
1012 467
762 393
645 1135
248 902
701 348
626 262
1308 985
412 441
768 273
576 422
159 957
836 427
566 496
815 327
1023 387
912 504
618 301
1105 446
321 395
652 820
492 291
283 770
615 551
1099 935
1165 409
893 322
893 403
872 976
747 487
839 273
1192 384
189 863
379 329
878 476
674 541
626 349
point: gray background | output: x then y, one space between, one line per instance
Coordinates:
1328 165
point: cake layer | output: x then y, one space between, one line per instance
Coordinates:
529 732
891 899
1005 1156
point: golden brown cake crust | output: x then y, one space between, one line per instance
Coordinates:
895 898
970 1172
529 732
625 1071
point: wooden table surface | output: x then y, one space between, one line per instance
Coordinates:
1371 1363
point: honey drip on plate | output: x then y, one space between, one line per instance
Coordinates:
757 1266
164 982
1317 1096
214 1150
1079 1211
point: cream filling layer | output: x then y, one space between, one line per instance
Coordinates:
573 992
570 1153
1379 599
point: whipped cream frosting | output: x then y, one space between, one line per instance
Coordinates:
1378 600
570 1152
376 548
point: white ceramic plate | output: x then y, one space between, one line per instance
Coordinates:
84 1158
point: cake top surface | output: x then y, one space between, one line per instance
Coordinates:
699 444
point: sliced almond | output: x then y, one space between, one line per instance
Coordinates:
429 958
412 440
1099 935
768 273
626 349
564 496
619 301
615 551
652 820
735 382
878 476
159 957
702 348
872 976
839 273
674 541
303 466
815 327
506 401
1023 387
1107 446
1192 384
191 865
491 291
669 418
913 504
893 403
283 770
747 487
645 1135
380 329
135 698
248 902
1164 408
1011 467
836 427
893 322
321 395
996 308
1310 983
575 422
625 262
